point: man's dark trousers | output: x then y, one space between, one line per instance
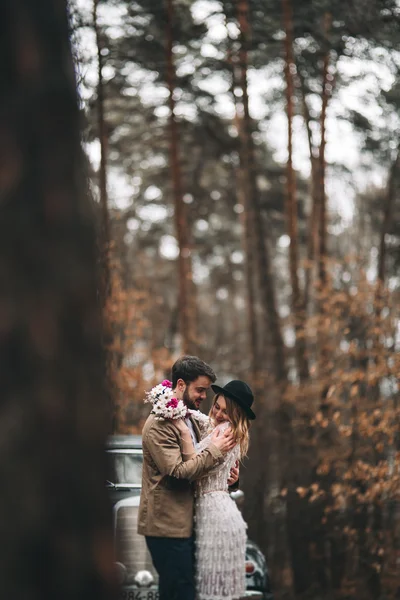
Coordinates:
173 559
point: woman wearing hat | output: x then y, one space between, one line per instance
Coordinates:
219 526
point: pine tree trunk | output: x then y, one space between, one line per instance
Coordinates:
105 235
56 525
387 216
114 358
248 219
264 264
323 361
248 242
322 212
381 269
185 295
322 189
291 201
312 239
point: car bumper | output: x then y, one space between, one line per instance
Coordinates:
133 592
128 592
257 595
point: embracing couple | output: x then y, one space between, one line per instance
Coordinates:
194 531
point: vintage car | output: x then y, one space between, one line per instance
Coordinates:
137 575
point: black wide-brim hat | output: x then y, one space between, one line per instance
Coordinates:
239 392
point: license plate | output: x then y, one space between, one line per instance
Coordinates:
139 595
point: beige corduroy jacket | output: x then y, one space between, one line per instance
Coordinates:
166 501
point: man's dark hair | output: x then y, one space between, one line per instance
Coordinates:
189 368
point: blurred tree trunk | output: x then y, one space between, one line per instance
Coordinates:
247 217
55 521
387 217
265 275
291 201
187 326
312 239
297 511
105 236
323 351
114 357
326 93
386 222
247 220
379 299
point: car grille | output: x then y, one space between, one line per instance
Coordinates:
131 548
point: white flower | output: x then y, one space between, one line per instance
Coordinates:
165 405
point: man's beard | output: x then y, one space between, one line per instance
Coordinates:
188 401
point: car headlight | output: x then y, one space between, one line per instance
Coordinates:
250 567
121 572
237 495
144 578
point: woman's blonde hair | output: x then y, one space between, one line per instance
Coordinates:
240 423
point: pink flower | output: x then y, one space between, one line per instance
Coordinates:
166 383
173 403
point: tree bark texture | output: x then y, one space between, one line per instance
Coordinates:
243 194
55 522
322 212
387 216
312 239
185 297
263 259
291 201
379 299
105 236
247 221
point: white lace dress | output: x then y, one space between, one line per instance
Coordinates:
220 534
